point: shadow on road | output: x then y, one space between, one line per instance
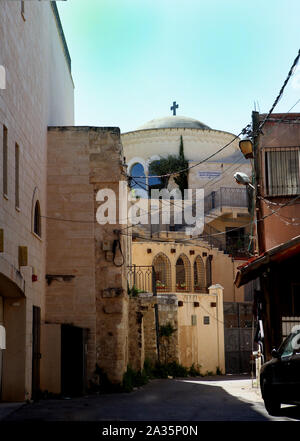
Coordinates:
160 400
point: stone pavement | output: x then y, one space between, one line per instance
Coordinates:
223 398
7 409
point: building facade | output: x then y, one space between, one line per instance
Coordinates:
277 172
225 202
38 93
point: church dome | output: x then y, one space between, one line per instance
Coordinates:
174 122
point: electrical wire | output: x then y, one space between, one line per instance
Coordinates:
281 91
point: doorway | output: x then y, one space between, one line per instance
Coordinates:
73 360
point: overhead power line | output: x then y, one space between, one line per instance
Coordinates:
290 73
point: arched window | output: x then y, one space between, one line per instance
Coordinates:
183 274
138 180
37 227
162 267
199 275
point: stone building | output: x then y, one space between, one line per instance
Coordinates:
38 93
227 237
86 296
225 203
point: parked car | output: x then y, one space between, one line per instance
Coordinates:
280 377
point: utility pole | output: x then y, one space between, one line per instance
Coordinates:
257 174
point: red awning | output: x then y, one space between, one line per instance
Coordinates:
256 265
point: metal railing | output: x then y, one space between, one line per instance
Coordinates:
226 197
141 278
236 247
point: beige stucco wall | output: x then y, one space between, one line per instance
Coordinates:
39 91
146 145
195 343
198 144
202 344
223 266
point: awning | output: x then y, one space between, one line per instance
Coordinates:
255 266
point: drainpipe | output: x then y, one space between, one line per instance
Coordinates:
156 313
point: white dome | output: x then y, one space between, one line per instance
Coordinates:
170 122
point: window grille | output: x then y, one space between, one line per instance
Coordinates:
282 174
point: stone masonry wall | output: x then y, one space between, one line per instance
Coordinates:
82 160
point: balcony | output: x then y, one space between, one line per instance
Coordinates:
225 200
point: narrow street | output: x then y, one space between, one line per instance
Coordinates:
225 398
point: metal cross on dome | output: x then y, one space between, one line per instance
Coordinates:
174 107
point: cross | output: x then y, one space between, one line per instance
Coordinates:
174 107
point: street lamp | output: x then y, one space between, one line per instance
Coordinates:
246 147
243 179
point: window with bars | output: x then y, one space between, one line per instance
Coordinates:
282 171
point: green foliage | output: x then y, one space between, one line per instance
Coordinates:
132 379
209 373
104 385
218 371
166 330
181 152
194 371
134 291
165 333
148 368
173 369
172 164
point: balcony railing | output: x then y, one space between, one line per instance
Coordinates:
226 197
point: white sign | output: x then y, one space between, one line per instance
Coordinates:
209 174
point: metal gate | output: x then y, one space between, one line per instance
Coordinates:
238 334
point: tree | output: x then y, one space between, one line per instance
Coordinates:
172 164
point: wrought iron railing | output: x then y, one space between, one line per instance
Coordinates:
226 197
141 278
237 247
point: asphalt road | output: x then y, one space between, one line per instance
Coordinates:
201 399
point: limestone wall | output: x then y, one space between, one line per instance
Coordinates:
81 161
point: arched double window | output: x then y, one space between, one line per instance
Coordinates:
199 275
162 268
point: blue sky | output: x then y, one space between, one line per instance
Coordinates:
132 58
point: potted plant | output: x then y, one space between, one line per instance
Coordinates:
160 286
